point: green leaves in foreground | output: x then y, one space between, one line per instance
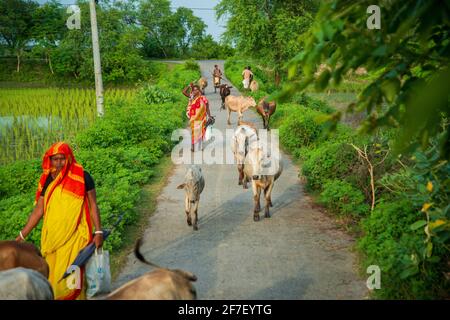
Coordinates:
407 61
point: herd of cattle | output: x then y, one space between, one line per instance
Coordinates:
252 156
24 272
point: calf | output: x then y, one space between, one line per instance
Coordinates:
239 105
263 170
160 284
193 186
266 110
15 254
224 91
254 86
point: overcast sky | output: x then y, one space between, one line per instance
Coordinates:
214 28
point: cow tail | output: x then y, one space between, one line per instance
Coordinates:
139 255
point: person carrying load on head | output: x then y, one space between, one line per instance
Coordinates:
247 75
217 76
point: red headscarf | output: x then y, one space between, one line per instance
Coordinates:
71 176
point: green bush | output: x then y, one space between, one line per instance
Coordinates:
14 212
343 198
153 94
391 244
312 103
192 65
19 177
300 129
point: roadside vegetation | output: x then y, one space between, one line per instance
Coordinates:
366 114
120 151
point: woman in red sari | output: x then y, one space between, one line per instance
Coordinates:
66 199
197 110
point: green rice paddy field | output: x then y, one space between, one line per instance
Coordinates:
31 119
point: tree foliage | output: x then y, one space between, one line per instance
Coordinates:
130 32
16 25
267 30
408 56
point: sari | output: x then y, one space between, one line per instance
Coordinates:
67 226
196 113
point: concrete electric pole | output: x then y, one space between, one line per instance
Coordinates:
97 64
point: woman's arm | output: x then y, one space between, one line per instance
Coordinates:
185 90
33 219
95 217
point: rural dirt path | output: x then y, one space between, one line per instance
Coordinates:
299 253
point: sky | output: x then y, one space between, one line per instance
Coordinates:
214 28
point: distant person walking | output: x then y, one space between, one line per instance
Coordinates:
247 75
217 76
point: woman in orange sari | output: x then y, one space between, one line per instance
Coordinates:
66 199
197 110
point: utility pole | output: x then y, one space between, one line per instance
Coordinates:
97 64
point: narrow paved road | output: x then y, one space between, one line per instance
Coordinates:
296 254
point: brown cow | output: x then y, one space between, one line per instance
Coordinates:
15 254
160 284
266 109
254 86
224 91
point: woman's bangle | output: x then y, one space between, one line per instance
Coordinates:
98 232
21 235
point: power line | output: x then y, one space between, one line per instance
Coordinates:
210 9
192 8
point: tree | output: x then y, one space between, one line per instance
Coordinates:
207 48
267 30
408 59
49 29
154 15
169 34
16 25
190 29
121 42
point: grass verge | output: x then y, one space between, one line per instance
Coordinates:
146 207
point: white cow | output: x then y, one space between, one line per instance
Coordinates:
24 284
245 137
193 186
263 169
